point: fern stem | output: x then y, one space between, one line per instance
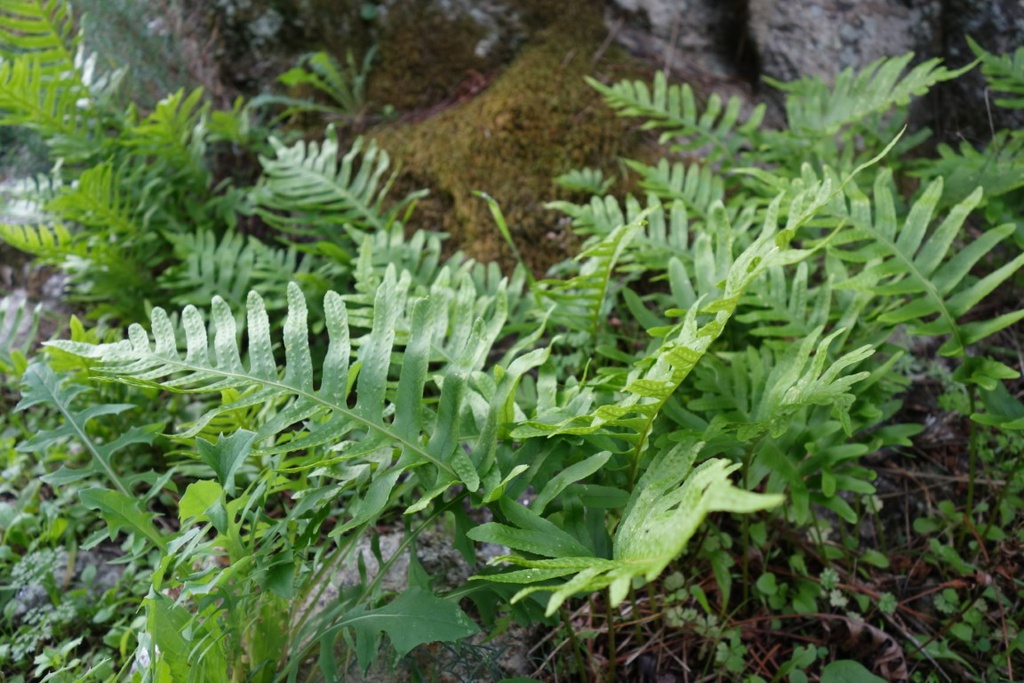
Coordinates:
575 645
972 463
612 649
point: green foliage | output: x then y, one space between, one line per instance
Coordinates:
588 180
319 72
728 348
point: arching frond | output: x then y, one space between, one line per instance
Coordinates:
812 107
696 185
307 191
44 29
674 109
229 268
581 303
411 398
927 281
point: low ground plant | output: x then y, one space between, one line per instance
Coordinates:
743 342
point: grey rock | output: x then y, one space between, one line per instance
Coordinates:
966 109
822 37
256 40
692 38
93 570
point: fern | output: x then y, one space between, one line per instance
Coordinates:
44 77
41 386
674 109
42 28
999 169
695 185
306 191
343 86
173 139
589 180
785 307
1004 73
667 506
812 108
582 302
914 265
657 376
229 268
50 243
19 326
385 415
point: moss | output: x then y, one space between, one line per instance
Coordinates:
423 55
537 119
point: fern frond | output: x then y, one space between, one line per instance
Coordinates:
665 234
42 28
674 108
1004 73
32 95
796 381
426 430
814 108
657 376
19 326
173 137
42 386
785 306
917 269
306 191
581 303
230 268
345 85
51 242
666 508
97 201
998 169
589 180
695 185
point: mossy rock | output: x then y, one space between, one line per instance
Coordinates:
536 119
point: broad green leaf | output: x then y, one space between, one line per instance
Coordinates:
199 497
848 671
226 456
121 511
413 618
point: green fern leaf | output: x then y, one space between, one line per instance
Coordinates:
695 185
427 435
998 169
918 270
666 508
1004 73
230 268
43 28
305 190
785 306
173 137
98 201
49 242
814 108
657 376
674 108
581 302
589 180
